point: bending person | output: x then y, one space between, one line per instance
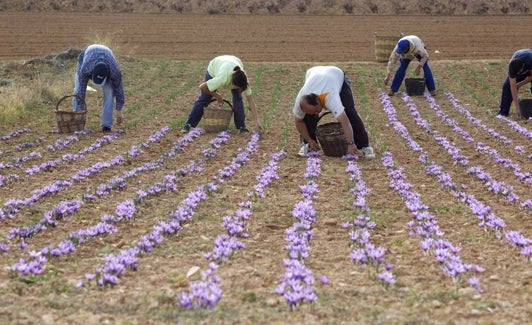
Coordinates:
407 49
224 71
97 62
327 87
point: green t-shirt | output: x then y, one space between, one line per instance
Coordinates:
221 70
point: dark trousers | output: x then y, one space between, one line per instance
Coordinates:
196 113
348 100
506 97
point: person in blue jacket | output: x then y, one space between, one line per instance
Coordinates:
97 63
519 73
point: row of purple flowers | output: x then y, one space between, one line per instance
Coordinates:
12 206
124 211
487 218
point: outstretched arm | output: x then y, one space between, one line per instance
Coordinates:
394 57
348 132
515 93
302 129
254 112
204 88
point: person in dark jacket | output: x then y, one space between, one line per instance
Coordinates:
519 74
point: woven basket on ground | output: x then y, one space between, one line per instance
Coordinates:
217 119
331 138
69 121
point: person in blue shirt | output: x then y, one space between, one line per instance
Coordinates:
97 63
519 73
224 72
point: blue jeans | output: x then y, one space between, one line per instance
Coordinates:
506 97
108 103
196 113
401 72
348 100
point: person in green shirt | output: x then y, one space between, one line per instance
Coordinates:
224 72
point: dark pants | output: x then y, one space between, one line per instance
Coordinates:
506 97
348 100
204 99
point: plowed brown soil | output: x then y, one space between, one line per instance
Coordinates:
259 38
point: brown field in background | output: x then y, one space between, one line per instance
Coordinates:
259 38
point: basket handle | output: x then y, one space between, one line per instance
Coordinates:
68 96
225 101
322 115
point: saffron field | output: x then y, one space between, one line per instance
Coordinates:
146 225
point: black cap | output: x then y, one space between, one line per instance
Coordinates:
100 73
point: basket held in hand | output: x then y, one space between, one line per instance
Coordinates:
217 119
331 138
69 121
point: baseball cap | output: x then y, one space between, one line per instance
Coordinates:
402 46
100 73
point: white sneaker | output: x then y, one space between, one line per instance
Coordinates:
303 150
368 152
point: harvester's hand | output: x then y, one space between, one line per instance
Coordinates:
418 70
119 117
314 145
258 127
351 149
387 79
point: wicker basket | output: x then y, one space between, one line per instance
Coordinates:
331 138
217 119
384 46
69 121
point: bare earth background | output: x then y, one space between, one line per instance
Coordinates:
163 58
259 38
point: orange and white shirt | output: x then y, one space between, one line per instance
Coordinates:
326 82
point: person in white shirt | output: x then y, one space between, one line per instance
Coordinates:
328 88
407 49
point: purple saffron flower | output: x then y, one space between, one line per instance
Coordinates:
386 277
